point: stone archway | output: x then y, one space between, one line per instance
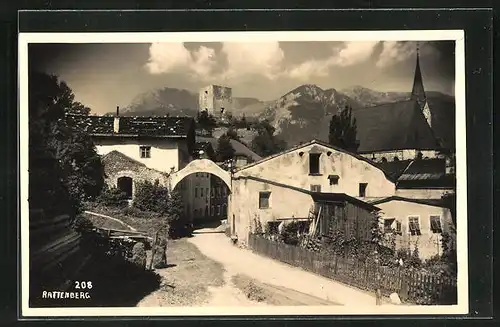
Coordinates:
200 166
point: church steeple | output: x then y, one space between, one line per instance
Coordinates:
418 92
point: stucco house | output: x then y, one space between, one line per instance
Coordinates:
139 148
280 186
292 183
416 223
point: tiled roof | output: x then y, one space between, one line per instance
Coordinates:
394 168
431 202
426 169
393 126
423 169
239 148
133 126
327 197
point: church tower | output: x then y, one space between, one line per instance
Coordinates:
418 92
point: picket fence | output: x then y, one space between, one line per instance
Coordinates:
412 286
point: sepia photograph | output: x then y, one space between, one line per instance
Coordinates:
242 173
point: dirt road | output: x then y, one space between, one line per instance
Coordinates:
266 271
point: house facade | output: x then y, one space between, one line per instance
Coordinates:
280 186
416 223
140 148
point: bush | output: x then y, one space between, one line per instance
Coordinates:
113 197
82 224
151 197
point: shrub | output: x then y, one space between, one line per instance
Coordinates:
151 197
82 224
112 197
178 224
289 233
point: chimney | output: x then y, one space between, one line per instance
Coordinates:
116 123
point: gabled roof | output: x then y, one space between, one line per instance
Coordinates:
239 148
335 197
393 126
133 126
116 156
430 202
297 147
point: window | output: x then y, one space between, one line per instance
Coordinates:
201 192
195 192
124 184
398 227
145 151
212 210
206 192
334 179
314 163
224 191
436 224
315 188
212 193
362 189
224 210
218 210
384 159
413 225
388 225
264 200
396 158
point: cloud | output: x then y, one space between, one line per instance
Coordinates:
395 51
250 58
175 58
352 53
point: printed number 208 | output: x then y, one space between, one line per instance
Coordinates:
83 285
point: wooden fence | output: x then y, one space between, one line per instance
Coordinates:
56 254
412 286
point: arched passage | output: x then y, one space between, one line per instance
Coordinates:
200 166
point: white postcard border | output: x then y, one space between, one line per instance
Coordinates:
462 306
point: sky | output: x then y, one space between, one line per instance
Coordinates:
104 76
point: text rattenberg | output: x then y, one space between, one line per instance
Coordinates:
65 295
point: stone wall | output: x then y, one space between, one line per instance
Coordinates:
118 165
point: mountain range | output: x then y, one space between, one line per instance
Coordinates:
299 115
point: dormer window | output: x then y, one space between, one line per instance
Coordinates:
314 163
145 151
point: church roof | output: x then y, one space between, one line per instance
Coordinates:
393 126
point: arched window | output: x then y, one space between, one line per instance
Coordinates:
124 184
383 159
396 158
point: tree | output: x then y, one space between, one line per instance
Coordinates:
343 130
79 166
265 143
175 215
206 121
232 134
225 150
